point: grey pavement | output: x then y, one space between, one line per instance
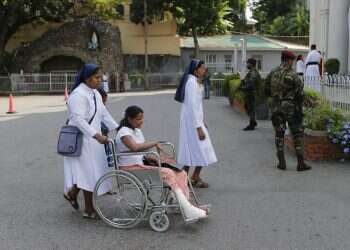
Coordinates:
254 206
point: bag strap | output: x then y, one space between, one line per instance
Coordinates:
92 118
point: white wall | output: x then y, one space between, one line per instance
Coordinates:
329 29
270 59
338 34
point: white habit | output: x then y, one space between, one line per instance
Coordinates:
312 73
192 151
85 170
300 67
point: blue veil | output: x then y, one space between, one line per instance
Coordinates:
180 91
83 74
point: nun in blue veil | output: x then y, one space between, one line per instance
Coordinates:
87 111
195 147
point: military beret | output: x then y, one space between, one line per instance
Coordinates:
288 54
251 61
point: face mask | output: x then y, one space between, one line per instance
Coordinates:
249 67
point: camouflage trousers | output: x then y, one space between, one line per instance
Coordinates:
249 105
279 122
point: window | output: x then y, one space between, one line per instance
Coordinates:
259 61
210 58
228 63
210 61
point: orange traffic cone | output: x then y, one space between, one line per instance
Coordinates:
11 105
65 94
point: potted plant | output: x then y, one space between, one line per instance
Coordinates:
322 125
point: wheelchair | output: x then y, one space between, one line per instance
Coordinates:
123 199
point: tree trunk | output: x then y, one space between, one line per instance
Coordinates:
196 44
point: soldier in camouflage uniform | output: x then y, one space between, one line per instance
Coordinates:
286 90
248 86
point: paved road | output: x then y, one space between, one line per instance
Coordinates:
255 206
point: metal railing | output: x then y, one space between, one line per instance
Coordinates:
5 83
334 88
56 82
34 83
217 86
156 80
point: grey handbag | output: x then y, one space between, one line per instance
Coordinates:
70 139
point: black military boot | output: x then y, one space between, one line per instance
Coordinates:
251 126
254 123
302 166
281 161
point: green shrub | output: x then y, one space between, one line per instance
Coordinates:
232 86
318 117
226 86
233 92
311 98
332 66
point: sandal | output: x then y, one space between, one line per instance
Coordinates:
199 183
92 216
73 203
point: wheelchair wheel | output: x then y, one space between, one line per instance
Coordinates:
120 199
159 221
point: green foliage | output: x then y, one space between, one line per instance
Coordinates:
204 17
237 15
232 89
227 81
155 10
332 66
318 117
281 17
6 63
311 98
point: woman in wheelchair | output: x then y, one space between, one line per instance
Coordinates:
130 138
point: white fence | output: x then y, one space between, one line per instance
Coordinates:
34 83
334 88
56 82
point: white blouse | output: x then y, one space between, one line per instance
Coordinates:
300 67
137 135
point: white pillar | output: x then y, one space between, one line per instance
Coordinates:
338 32
244 56
349 41
235 65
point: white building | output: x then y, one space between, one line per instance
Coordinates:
224 53
329 29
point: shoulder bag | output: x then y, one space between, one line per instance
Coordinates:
70 139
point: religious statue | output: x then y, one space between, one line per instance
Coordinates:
93 44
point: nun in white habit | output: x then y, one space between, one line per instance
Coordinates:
195 147
86 111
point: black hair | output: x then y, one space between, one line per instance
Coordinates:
313 46
299 57
130 112
200 63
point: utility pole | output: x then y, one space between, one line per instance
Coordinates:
146 41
